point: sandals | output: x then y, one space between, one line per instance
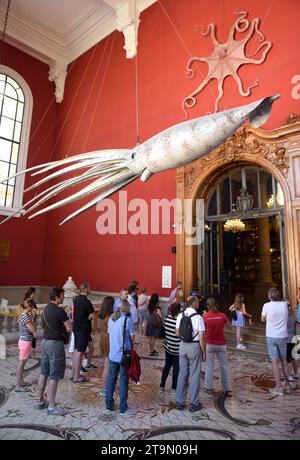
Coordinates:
21 390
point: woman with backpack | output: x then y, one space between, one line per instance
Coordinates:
171 346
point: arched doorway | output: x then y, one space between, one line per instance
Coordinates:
243 249
277 153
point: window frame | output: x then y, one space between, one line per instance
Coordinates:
24 141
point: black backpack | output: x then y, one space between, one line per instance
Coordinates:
186 328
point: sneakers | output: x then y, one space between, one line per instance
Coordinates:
128 412
90 366
83 371
109 411
56 411
240 346
102 392
179 407
161 389
276 391
173 392
195 408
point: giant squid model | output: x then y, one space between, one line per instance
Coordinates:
114 169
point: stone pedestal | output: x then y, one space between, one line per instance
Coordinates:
70 292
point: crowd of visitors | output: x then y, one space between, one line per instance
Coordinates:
192 329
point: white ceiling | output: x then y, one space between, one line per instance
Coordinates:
61 30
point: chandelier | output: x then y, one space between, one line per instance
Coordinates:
279 200
234 225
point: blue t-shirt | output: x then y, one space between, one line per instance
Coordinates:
115 330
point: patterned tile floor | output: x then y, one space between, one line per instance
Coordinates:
252 413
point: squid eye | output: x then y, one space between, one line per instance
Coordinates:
133 155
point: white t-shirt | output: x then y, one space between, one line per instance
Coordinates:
276 314
142 302
197 322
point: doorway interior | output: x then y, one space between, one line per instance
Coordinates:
244 243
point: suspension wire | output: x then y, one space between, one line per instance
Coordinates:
183 43
137 102
4 29
136 85
100 90
87 99
49 106
68 113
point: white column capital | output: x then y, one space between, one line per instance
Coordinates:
57 74
128 20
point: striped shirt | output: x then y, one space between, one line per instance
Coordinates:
25 333
172 341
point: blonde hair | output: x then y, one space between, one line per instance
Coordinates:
177 298
212 304
27 303
123 304
239 299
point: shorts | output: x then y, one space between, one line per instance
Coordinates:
143 315
289 349
25 347
277 348
53 359
81 341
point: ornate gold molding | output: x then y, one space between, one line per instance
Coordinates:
240 144
293 118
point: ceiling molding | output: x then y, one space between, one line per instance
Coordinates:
42 40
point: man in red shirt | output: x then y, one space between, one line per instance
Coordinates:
216 346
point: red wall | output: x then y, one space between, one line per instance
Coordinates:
27 237
98 112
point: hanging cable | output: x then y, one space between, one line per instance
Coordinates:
100 90
183 42
136 83
4 29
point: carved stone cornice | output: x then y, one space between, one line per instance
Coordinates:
241 144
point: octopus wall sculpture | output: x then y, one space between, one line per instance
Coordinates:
227 58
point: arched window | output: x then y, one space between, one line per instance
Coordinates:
263 187
15 121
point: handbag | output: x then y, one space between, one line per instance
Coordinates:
33 343
134 371
65 335
233 315
126 355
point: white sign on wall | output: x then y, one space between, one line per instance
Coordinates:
167 276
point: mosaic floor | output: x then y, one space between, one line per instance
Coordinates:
252 413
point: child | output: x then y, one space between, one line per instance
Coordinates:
240 309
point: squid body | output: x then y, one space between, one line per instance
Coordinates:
114 169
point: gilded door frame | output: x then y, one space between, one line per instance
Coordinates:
277 151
